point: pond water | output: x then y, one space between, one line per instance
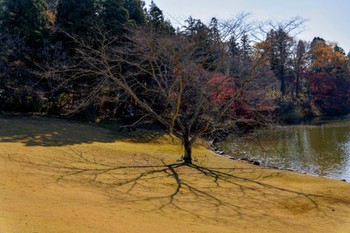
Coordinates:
321 147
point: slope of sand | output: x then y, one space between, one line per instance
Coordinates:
60 177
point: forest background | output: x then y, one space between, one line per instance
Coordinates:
103 59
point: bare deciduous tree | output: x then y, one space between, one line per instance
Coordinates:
173 79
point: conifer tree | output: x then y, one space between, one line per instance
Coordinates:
156 20
24 18
136 12
76 16
114 15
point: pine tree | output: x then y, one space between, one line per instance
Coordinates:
155 14
114 15
156 20
280 42
136 12
76 16
245 46
299 64
233 46
339 49
24 18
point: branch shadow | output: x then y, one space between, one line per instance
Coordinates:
204 193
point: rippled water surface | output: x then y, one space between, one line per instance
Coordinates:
321 148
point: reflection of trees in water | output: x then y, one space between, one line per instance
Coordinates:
319 150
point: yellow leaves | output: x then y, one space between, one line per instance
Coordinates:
324 56
260 50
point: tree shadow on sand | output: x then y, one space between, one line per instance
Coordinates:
204 193
43 131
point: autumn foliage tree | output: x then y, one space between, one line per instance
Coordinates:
326 58
330 94
328 78
196 80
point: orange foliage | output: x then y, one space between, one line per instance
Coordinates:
51 16
324 57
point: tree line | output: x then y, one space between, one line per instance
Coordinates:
118 58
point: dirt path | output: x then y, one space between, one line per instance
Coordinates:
59 176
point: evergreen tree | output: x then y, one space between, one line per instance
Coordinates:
24 18
339 49
136 12
299 62
280 48
246 48
76 16
114 15
157 21
155 14
317 39
233 46
214 30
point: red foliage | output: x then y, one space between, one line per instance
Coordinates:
331 94
223 89
223 93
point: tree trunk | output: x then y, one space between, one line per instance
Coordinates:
187 146
297 86
282 79
283 84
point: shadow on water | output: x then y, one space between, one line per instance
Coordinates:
42 131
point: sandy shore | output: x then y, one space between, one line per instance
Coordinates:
61 176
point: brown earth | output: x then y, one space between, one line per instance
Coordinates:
60 176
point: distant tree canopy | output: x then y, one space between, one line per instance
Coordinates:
135 10
327 57
280 43
76 16
25 18
235 66
157 21
113 15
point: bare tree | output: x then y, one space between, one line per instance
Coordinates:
170 78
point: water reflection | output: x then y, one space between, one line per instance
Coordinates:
317 149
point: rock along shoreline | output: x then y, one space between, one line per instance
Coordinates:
219 151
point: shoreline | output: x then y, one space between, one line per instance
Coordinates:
60 180
219 151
